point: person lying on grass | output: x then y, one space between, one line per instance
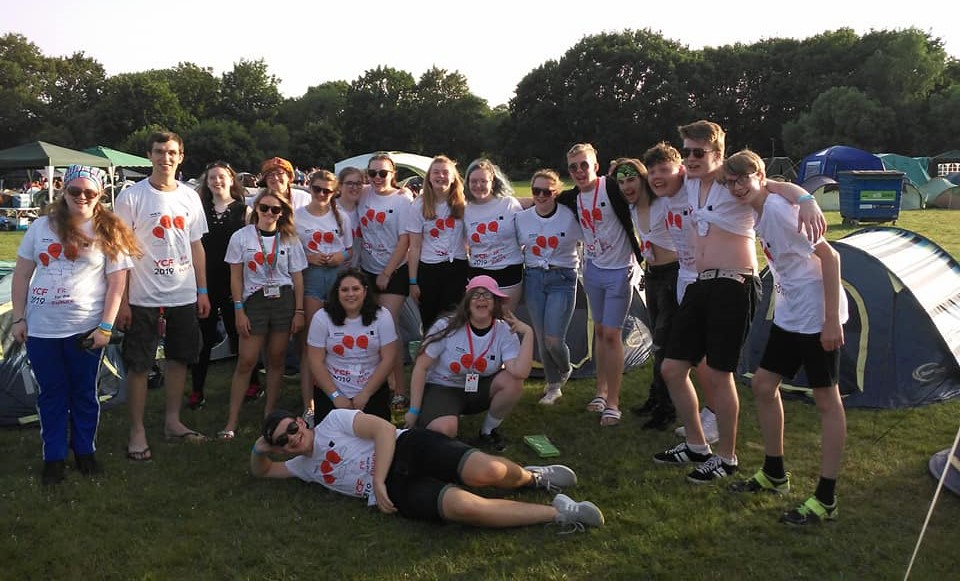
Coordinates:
415 472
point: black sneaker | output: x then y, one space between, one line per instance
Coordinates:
53 473
681 454
492 441
713 469
88 466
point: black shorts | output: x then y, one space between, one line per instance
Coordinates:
442 400
786 352
399 282
424 465
378 404
182 342
506 277
268 315
713 321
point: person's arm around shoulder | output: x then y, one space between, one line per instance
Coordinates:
811 219
831 336
520 366
384 436
262 466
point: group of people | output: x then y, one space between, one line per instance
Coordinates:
332 267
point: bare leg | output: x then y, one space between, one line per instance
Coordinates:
249 352
766 392
483 469
611 354
394 303
311 305
136 404
676 373
727 408
175 378
445 425
276 355
505 392
468 508
833 425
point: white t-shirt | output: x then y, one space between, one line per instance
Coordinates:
657 235
549 241
353 349
442 238
382 220
341 460
797 273
165 223
454 357
321 234
679 222
721 209
492 233
605 241
69 284
356 235
256 254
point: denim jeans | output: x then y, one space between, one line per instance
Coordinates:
550 297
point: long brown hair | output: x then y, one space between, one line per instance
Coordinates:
284 223
460 318
455 197
327 176
237 191
110 232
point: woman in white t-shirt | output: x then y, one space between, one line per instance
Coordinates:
327 238
67 286
266 280
352 343
350 180
469 362
490 229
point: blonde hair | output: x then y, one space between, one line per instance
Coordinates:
327 176
704 130
547 174
579 148
455 198
744 162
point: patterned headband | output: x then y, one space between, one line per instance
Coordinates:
94 174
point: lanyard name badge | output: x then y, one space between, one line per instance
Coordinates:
478 363
271 290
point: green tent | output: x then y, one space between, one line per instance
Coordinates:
119 158
43 154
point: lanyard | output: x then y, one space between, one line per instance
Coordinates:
478 363
266 257
589 218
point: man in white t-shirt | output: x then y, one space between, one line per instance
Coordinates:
420 473
166 292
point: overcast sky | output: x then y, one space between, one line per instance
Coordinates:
494 43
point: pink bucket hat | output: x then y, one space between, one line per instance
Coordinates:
486 282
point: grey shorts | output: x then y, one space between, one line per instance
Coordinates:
268 315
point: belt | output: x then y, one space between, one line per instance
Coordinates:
740 276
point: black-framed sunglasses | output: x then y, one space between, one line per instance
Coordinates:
292 428
378 172
76 192
582 166
320 190
698 152
276 210
541 191
352 184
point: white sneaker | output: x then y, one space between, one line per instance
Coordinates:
553 478
708 420
576 516
551 396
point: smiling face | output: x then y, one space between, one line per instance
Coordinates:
630 187
441 176
278 181
267 214
583 167
296 442
382 179
219 181
481 304
544 192
481 184
351 293
743 187
82 196
321 190
665 178
702 158
166 157
350 188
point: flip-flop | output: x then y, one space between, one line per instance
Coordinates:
144 455
597 404
189 437
610 417
226 435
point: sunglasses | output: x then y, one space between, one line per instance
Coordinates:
482 294
541 191
582 166
273 209
76 192
698 152
292 428
320 190
353 184
374 173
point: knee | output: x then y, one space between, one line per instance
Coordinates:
446 425
506 383
765 387
484 470
673 371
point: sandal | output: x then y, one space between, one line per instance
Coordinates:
144 455
597 404
190 437
610 417
226 435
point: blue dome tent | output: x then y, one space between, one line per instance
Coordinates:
832 160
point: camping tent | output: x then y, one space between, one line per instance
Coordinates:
902 341
118 159
835 159
914 168
825 190
941 193
780 167
47 156
412 163
912 197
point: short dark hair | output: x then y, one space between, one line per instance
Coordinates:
271 422
163 137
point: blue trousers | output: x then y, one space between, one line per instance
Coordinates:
551 297
67 376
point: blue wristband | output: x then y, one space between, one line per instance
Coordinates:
414 411
237 305
346 255
412 281
256 452
105 326
201 290
336 393
805 197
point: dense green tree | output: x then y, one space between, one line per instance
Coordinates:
840 116
249 93
134 100
317 144
24 77
943 122
377 111
272 139
447 118
321 102
197 89
217 139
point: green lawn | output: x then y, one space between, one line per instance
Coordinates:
195 513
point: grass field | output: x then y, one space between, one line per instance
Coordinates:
195 513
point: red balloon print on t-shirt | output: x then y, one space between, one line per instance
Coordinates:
312 245
329 478
434 233
542 241
475 237
338 349
493 226
71 251
332 456
348 341
252 266
553 242
480 365
317 236
179 222
535 250
165 221
363 342
158 231
258 258
328 237
381 217
363 220
454 367
467 360
370 213
44 258
54 250
597 215
449 222
482 228
440 224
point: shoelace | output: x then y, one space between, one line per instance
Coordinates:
568 527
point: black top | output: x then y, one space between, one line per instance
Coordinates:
621 210
221 227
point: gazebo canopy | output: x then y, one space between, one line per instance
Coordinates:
42 154
119 158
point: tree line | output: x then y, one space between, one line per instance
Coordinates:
890 91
